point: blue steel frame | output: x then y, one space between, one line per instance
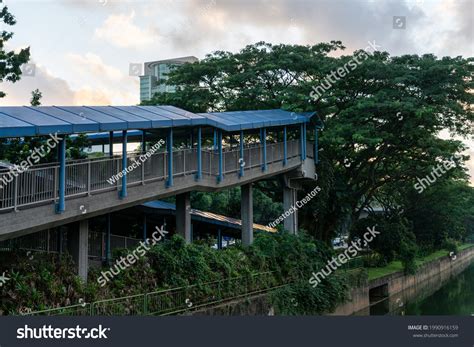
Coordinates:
199 154
144 228
316 145
303 141
143 141
219 145
241 160
111 143
169 145
123 192
61 206
263 141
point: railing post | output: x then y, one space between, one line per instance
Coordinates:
89 178
214 146
263 141
15 201
199 155
302 142
241 161
219 145
169 145
285 146
123 193
143 172
61 206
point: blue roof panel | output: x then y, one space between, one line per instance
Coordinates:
195 118
158 121
78 123
107 123
44 124
12 127
175 118
133 121
30 121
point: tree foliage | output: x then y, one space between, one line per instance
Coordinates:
10 62
382 125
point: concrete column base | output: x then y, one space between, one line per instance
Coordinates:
78 247
290 223
183 216
247 214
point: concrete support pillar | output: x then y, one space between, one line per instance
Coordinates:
219 239
289 200
247 214
78 246
183 215
107 239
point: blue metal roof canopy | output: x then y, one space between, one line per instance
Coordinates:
43 120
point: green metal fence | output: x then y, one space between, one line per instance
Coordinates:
175 300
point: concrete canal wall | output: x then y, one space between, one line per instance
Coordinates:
396 287
399 288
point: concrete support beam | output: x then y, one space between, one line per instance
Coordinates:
289 199
183 215
78 246
247 214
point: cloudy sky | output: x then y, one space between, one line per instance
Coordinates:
82 50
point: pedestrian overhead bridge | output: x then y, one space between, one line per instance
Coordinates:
205 151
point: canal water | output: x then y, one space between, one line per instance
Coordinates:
451 296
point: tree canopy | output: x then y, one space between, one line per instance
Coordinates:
383 120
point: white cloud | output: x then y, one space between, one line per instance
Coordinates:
119 30
92 64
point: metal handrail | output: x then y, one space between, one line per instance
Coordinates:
39 184
146 304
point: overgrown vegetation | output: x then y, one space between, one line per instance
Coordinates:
46 281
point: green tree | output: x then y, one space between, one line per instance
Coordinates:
36 96
10 62
382 120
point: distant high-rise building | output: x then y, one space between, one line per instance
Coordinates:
155 76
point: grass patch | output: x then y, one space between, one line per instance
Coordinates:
396 265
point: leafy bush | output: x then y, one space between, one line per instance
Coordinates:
49 280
